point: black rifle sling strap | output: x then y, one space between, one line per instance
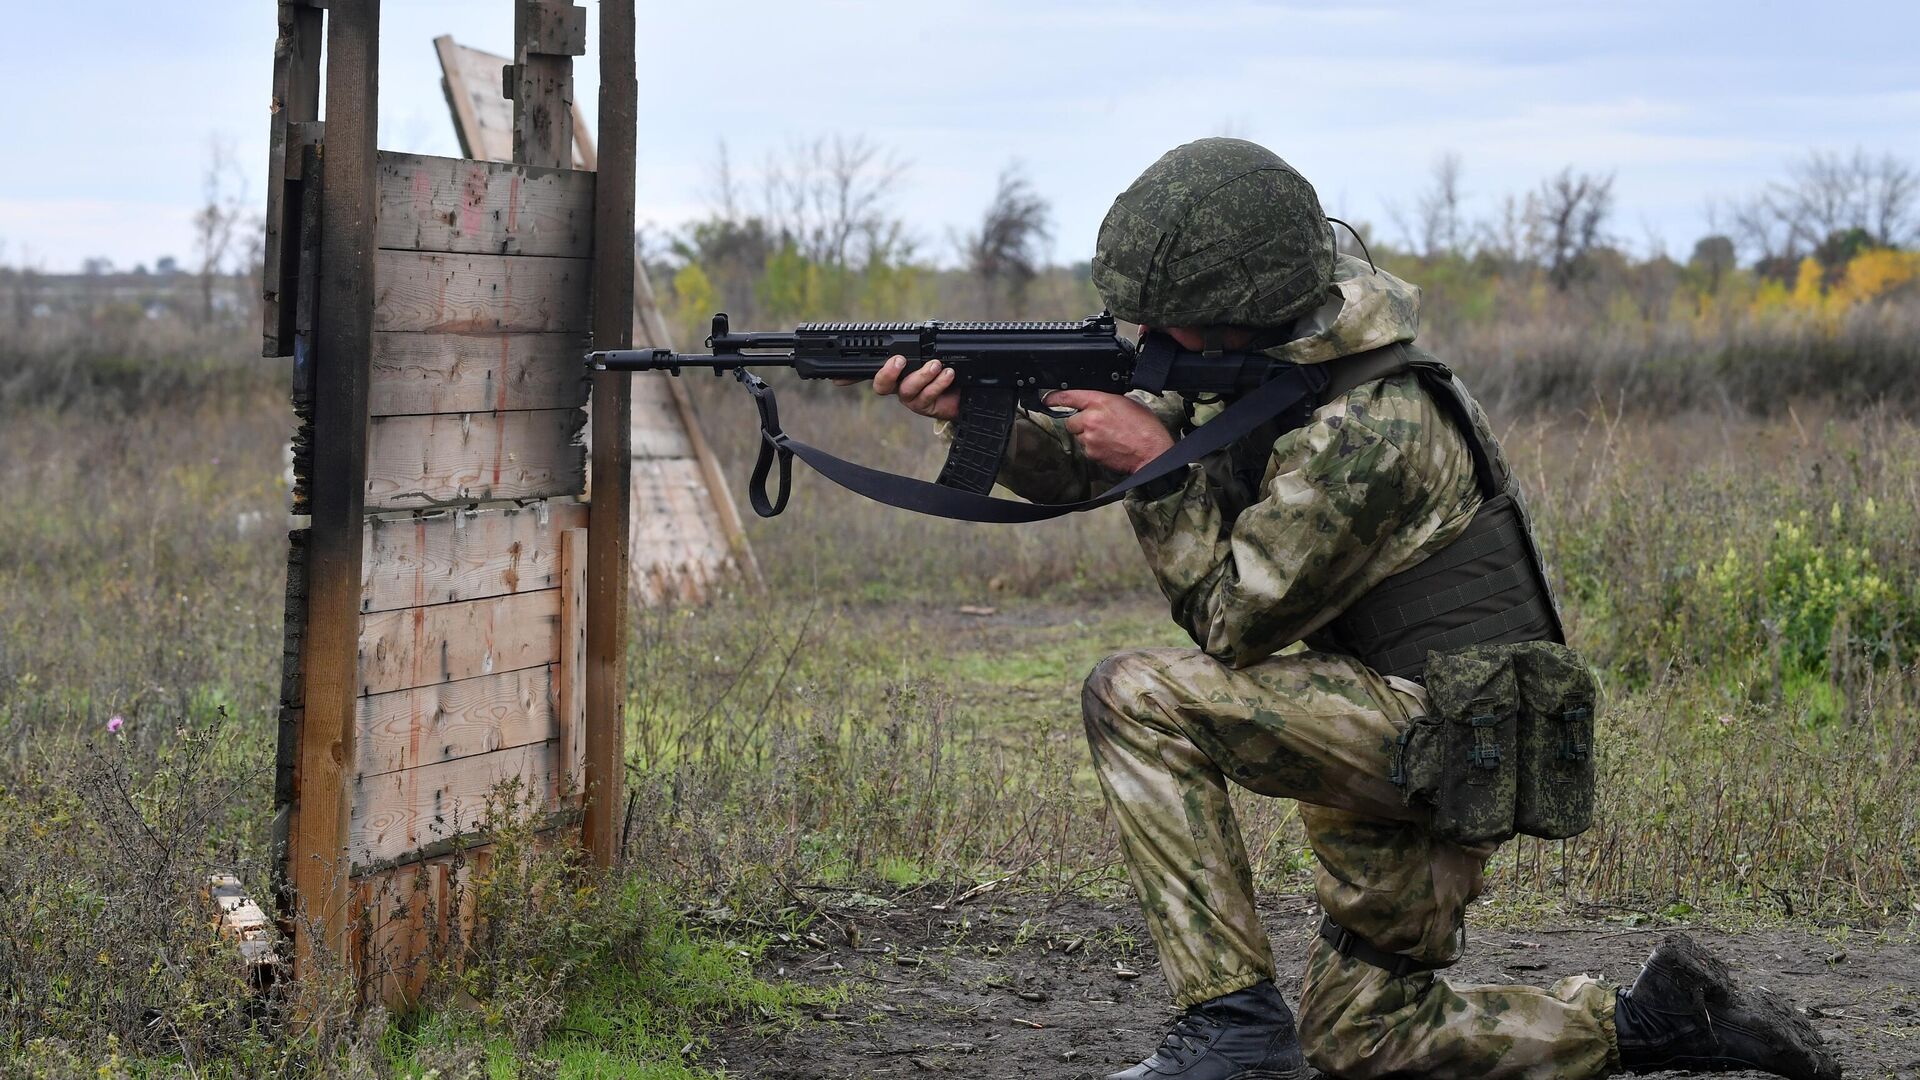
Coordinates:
1291 396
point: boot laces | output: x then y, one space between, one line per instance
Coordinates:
1190 1037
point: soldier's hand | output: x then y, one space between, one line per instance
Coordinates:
1112 429
927 390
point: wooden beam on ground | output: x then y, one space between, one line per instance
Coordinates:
343 327
607 547
296 100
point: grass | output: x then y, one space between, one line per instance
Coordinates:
1749 587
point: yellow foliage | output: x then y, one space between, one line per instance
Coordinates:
1806 285
1872 273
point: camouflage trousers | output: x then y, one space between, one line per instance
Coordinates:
1169 727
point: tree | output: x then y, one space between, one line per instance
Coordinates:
1436 228
224 193
1713 260
1007 251
1830 205
1567 218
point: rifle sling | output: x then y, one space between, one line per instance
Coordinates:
1291 397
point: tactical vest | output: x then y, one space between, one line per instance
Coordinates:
1488 587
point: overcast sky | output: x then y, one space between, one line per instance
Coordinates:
113 102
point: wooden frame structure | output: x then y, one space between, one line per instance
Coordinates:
456 602
687 534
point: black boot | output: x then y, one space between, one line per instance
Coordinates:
1686 1012
1245 1035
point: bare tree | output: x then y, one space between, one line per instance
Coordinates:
1440 208
1007 251
1567 218
224 195
1830 204
828 194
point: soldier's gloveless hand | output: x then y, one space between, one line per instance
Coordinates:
1113 430
927 390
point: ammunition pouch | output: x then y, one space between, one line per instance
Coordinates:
1507 745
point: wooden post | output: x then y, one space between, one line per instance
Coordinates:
608 538
547 35
296 100
343 334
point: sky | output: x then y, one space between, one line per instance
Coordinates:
1685 102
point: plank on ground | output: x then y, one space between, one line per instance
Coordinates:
483 207
680 551
417 462
406 729
449 555
453 373
480 294
398 813
658 431
424 646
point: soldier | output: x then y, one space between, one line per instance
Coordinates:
1293 537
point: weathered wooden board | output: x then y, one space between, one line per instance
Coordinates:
428 645
658 431
483 207
483 119
453 373
426 725
684 553
398 813
571 692
418 462
480 294
410 917
449 555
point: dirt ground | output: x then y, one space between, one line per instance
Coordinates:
1029 986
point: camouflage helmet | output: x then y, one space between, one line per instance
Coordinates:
1218 232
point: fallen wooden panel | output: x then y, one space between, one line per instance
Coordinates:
658 431
438 558
419 462
480 294
423 646
684 552
426 725
453 373
399 813
483 207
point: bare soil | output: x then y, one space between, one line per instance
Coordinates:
1031 986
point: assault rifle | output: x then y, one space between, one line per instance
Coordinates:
999 368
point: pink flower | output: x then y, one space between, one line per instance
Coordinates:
114 725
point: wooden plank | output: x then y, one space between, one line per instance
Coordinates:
417 462
397 813
330 681
482 117
449 555
425 646
452 373
426 725
408 917
480 294
679 553
657 430
572 695
607 555
479 207
296 100
547 35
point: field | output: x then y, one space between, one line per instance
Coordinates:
864 839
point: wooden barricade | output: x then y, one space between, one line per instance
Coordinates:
442 636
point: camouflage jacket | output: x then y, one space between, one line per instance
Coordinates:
1375 482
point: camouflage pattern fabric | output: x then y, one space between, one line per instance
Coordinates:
1169 727
1375 482
1218 232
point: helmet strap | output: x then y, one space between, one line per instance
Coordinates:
1213 340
